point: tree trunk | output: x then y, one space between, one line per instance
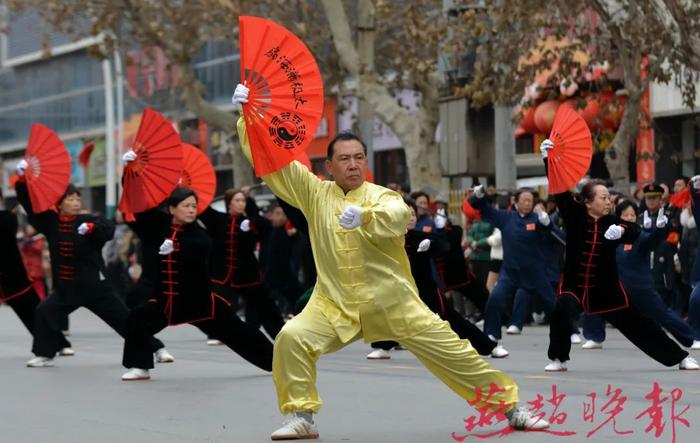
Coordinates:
416 131
215 117
618 153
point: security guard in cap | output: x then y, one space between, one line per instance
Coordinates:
663 269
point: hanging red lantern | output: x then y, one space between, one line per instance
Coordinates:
544 115
590 112
612 109
527 124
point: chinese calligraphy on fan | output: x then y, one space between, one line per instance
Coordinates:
293 76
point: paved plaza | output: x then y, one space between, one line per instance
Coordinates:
211 395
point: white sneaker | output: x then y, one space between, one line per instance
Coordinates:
521 419
590 344
538 318
556 366
480 324
689 364
499 352
296 427
575 339
136 374
66 333
513 330
66 352
378 354
696 345
40 362
163 356
214 342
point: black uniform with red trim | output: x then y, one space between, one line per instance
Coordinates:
179 291
78 275
16 289
590 282
235 268
176 280
453 270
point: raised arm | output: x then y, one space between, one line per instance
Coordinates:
41 221
497 217
294 183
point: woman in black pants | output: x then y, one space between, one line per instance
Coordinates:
417 245
176 254
590 279
235 269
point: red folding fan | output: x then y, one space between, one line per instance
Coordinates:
285 102
571 155
151 178
198 174
49 170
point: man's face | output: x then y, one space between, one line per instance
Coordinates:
525 202
71 205
348 165
652 202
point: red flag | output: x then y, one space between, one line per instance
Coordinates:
85 153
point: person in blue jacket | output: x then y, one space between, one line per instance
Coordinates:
524 232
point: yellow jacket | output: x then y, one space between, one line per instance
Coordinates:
364 277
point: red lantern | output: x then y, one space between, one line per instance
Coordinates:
590 112
528 122
613 107
544 115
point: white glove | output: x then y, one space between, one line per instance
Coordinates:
695 181
661 219
440 219
543 217
614 232
240 96
84 228
424 245
351 217
545 146
479 191
21 167
167 247
245 225
647 220
129 156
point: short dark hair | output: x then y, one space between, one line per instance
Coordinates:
587 193
519 192
180 194
620 208
70 190
416 195
343 137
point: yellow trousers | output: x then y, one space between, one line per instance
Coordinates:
309 335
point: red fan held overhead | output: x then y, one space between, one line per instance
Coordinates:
570 158
285 103
198 174
49 169
151 178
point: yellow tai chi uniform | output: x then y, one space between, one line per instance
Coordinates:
364 288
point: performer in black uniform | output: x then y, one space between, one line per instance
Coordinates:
75 244
590 279
15 287
235 269
176 252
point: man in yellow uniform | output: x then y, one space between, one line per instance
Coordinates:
364 289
